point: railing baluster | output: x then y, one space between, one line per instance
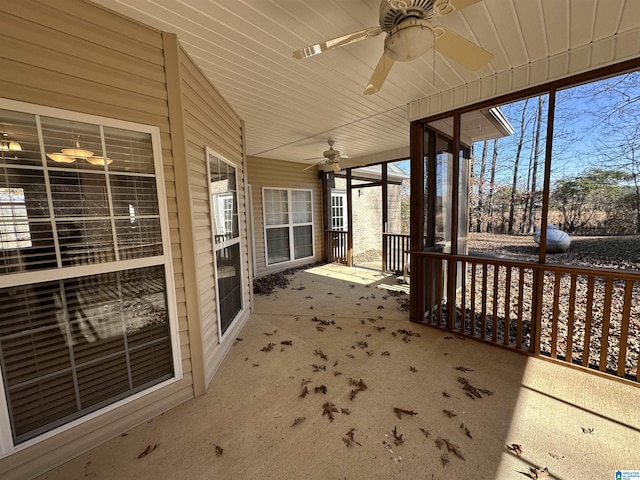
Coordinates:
555 316
507 305
483 315
606 317
463 297
520 307
472 313
624 328
496 272
571 317
587 322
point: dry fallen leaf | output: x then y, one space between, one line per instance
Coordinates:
349 438
318 368
148 450
426 432
305 392
466 430
515 448
318 352
397 437
556 456
345 411
464 369
450 447
268 348
449 413
445 394
321 389
305 381
298 421
536 472
400 411
328 409
286 342
219 451
587 430
444 458
413 369
385 354
472 391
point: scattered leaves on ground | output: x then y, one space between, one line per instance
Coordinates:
556 456
319 368
287 342
298 421
345 411
400 411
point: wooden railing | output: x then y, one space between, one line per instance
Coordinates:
336 246
395 247
584 316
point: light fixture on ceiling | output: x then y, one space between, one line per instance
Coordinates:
409 39
70 155
8 145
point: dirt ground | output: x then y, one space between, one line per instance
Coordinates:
621 252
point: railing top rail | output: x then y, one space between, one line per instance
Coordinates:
551 267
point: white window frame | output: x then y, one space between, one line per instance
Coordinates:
165 260
289 226
16 220
343 207
213 206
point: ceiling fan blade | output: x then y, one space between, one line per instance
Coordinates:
379 75
460 50
336 42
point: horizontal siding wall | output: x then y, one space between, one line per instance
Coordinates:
264 172
74 55
210 122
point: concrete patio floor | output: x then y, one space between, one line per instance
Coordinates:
347 315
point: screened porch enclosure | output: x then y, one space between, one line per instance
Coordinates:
582 313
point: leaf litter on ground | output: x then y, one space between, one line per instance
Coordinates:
400 411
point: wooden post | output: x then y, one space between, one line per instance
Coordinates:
349 220
385 215
417 155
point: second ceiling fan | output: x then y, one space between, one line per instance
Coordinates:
410 34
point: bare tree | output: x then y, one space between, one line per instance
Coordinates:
516 162
492 185
483 165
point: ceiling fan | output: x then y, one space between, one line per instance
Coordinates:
329 157
410 34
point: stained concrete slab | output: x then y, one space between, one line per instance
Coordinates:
253 402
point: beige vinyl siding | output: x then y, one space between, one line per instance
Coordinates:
210 122
280 174
77 56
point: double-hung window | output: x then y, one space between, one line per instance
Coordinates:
87 309
223 191
288 219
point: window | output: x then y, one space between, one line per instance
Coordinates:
288 218
87 316
14 222
338 208
224 206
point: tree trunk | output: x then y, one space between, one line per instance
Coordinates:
514 183
483 166
492 185
534 171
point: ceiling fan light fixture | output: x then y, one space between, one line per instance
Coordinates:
61 158
410 39
99 161
77 152
7 145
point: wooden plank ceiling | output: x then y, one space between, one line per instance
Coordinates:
291 107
